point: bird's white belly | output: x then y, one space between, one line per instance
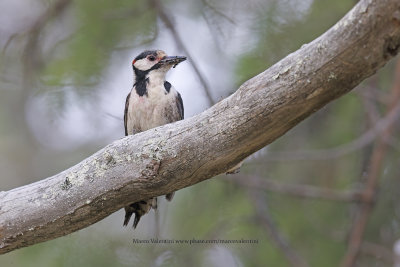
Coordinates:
147 112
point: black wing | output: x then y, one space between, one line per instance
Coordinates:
126 114
179 103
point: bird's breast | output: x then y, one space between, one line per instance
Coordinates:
149 111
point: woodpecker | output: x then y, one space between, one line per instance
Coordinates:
152 102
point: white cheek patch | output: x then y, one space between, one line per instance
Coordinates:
144 64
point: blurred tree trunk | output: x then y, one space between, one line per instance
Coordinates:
178 155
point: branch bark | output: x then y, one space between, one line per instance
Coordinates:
178 155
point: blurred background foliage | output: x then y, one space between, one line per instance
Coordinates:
65 70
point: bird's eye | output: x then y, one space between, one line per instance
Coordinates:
151 58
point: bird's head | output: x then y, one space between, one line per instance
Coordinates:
154 60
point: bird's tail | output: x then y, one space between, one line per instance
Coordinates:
128 215
170 196
139 208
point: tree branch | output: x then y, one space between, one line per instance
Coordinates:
296 190
372 183
156 4
181 154
339 151
377 251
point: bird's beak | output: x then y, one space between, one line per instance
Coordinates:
173 60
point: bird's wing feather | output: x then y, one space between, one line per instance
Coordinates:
179 104
126 114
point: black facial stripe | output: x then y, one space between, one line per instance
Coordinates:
140 75
167 86
141 86
141 80
156 66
